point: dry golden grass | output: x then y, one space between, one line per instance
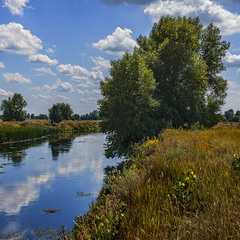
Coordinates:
27 123
180 187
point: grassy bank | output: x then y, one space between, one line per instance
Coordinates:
184 185
33 129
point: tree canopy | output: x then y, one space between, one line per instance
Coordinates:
230 116
94 115
13 108
172 78
59 112
128 105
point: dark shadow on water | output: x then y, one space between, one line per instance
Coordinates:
16 152
61 145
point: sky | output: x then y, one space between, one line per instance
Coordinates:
54 51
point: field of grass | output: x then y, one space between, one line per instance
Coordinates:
183 185
33 129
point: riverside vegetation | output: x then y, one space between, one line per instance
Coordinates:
33 129
182 185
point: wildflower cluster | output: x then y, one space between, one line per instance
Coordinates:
151 142
100 223
112 179
114 176
182 191
203 143
236 162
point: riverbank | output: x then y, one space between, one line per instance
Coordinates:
182 185
35 129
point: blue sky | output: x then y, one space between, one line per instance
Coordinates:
55 51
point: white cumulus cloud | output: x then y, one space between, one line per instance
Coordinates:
59 86
16 6
232 60
208 11
44 97
42 59
2 65
5 93
15 39
233 100
42 71
96 75
117 43
83 81
62 97
15 77
50 50
88 100
101 64
69 69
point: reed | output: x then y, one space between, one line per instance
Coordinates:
18 133
32 129
182 185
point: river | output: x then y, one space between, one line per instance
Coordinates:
47 183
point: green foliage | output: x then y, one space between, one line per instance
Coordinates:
128 105
94 115
13 108
171 79
76 116
231 116
10 133
99 223
40 116
182 191
236 162
59 112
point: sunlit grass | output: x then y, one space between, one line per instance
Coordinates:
32 129
183 186
9 133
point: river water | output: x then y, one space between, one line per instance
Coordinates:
47 183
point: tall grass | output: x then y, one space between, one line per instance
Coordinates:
31 129
9 134
180 186
80 126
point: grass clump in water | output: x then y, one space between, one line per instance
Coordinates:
51 211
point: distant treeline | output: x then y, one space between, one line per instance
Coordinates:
230 116
94 115
12 109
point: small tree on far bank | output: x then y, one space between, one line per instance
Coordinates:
59 112
13 108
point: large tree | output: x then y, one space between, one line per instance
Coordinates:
59 112
184 61
13 108
128 105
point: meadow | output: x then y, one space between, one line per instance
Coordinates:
185 184
33 129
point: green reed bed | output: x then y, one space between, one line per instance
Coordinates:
79 126
19 133
27 130
184 185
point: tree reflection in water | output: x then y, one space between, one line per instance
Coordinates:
61 145
16 152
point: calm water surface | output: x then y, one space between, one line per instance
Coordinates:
49 175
